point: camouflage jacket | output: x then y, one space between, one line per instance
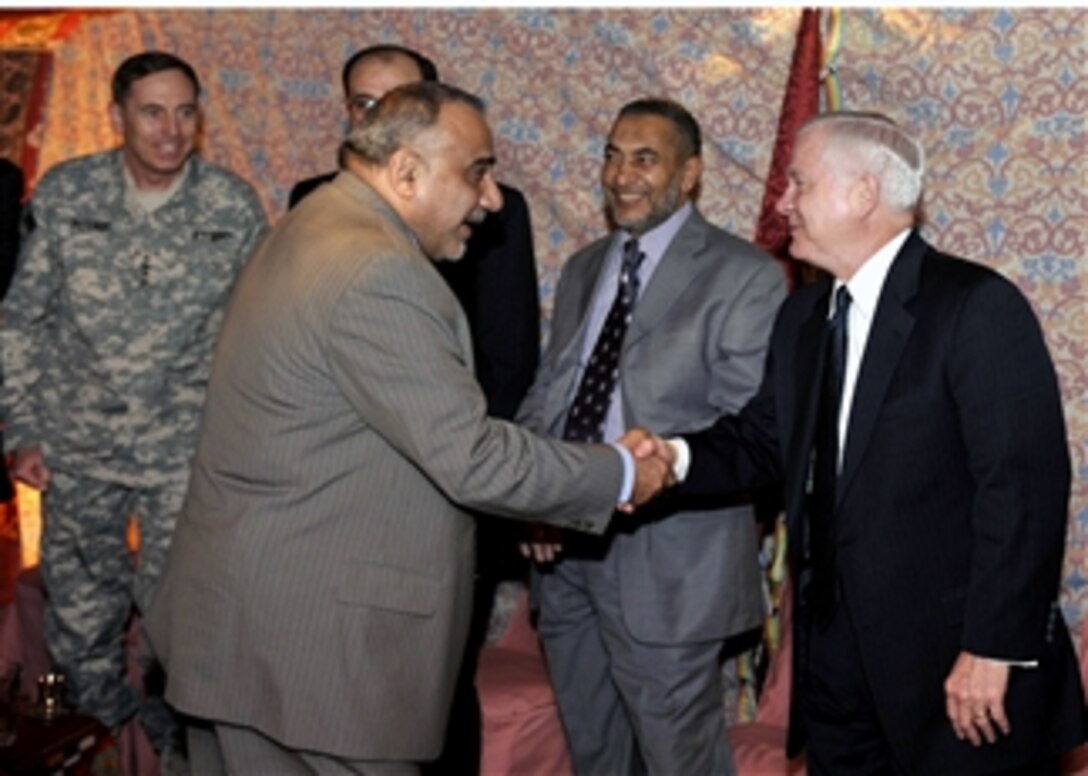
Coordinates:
112 317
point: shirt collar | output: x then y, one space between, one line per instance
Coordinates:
655 242
867 282
150 201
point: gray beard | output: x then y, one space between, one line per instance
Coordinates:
658 214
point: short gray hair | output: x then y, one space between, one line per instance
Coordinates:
399 116
879 146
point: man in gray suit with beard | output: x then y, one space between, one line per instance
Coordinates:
634 623
318 593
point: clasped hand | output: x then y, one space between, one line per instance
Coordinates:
654 459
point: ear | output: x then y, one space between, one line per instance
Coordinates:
865 194
117 119
692 169
403 172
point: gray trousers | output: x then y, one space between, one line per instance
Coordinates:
627 707
219 750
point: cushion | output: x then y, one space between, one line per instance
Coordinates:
522 734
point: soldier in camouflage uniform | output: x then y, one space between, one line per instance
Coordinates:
110 324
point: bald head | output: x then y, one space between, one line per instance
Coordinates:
369 74
426 149
402 116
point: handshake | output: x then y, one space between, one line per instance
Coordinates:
654 462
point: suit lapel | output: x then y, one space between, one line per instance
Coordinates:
680 265
569 326
579 282
892 324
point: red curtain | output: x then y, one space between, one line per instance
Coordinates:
800 102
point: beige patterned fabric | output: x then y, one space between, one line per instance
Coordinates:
996 95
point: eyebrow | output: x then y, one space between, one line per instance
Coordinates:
164 106
640 151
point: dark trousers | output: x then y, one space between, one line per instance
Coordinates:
844 734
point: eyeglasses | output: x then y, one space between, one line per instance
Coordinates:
362 102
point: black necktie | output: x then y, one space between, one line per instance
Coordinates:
585 421
825 464
838 327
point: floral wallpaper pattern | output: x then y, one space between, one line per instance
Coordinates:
998 97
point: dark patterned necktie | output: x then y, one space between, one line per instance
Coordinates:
825 465
585 421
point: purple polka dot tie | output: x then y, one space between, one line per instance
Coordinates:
585 421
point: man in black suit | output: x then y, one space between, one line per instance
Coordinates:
927 555
496 284
11 196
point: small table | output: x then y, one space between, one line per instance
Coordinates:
68 745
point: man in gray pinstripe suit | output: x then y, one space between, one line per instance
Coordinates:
318 593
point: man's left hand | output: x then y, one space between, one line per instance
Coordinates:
975 698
